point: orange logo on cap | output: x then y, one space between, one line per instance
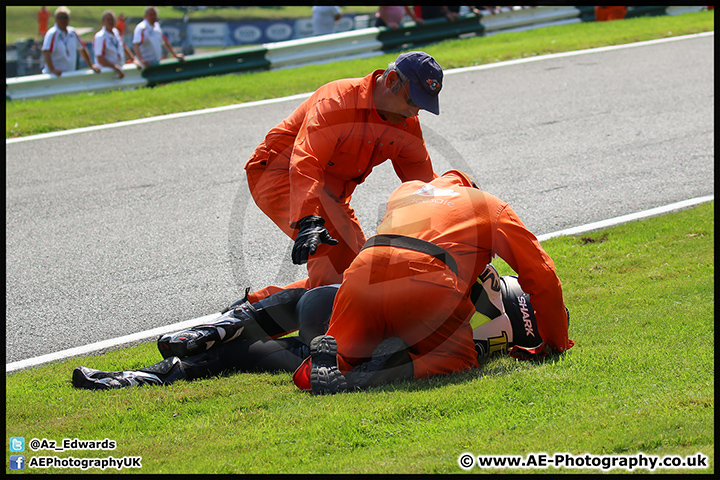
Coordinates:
432 83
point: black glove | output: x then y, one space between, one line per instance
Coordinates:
312 233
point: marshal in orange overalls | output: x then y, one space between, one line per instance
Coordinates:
311 162
42 16
397 292
604 14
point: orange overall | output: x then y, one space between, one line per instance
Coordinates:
311 162
391 291
604 14
43 16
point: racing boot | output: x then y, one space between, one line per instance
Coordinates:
325 377
271 317
390 362
162 373
200 338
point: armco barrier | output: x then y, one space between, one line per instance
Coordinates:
530 17
48 85
313 49
270 55
231 61
437 30
433 30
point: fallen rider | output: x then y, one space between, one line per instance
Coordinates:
240 340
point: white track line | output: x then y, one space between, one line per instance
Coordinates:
156 119
628 218
304 95
579 52
106 344
156 332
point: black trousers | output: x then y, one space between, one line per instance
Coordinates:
307 311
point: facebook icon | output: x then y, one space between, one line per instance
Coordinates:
17 462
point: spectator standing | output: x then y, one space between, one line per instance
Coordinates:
148 40
61 45
324 19
120 24
43 16
110 49
391 16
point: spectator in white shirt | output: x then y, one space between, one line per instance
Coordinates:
324 19
110 49
148 40
61 46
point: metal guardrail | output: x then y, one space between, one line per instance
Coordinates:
314 49
296 52
270 55
530 18
195 66
48 85
433 30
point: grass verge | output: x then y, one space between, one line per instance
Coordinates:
639 379
31 117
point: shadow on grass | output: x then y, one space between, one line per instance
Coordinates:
495 367
498 366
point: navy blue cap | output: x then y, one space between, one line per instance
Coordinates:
425 78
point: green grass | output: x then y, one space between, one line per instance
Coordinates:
639 379
30 117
